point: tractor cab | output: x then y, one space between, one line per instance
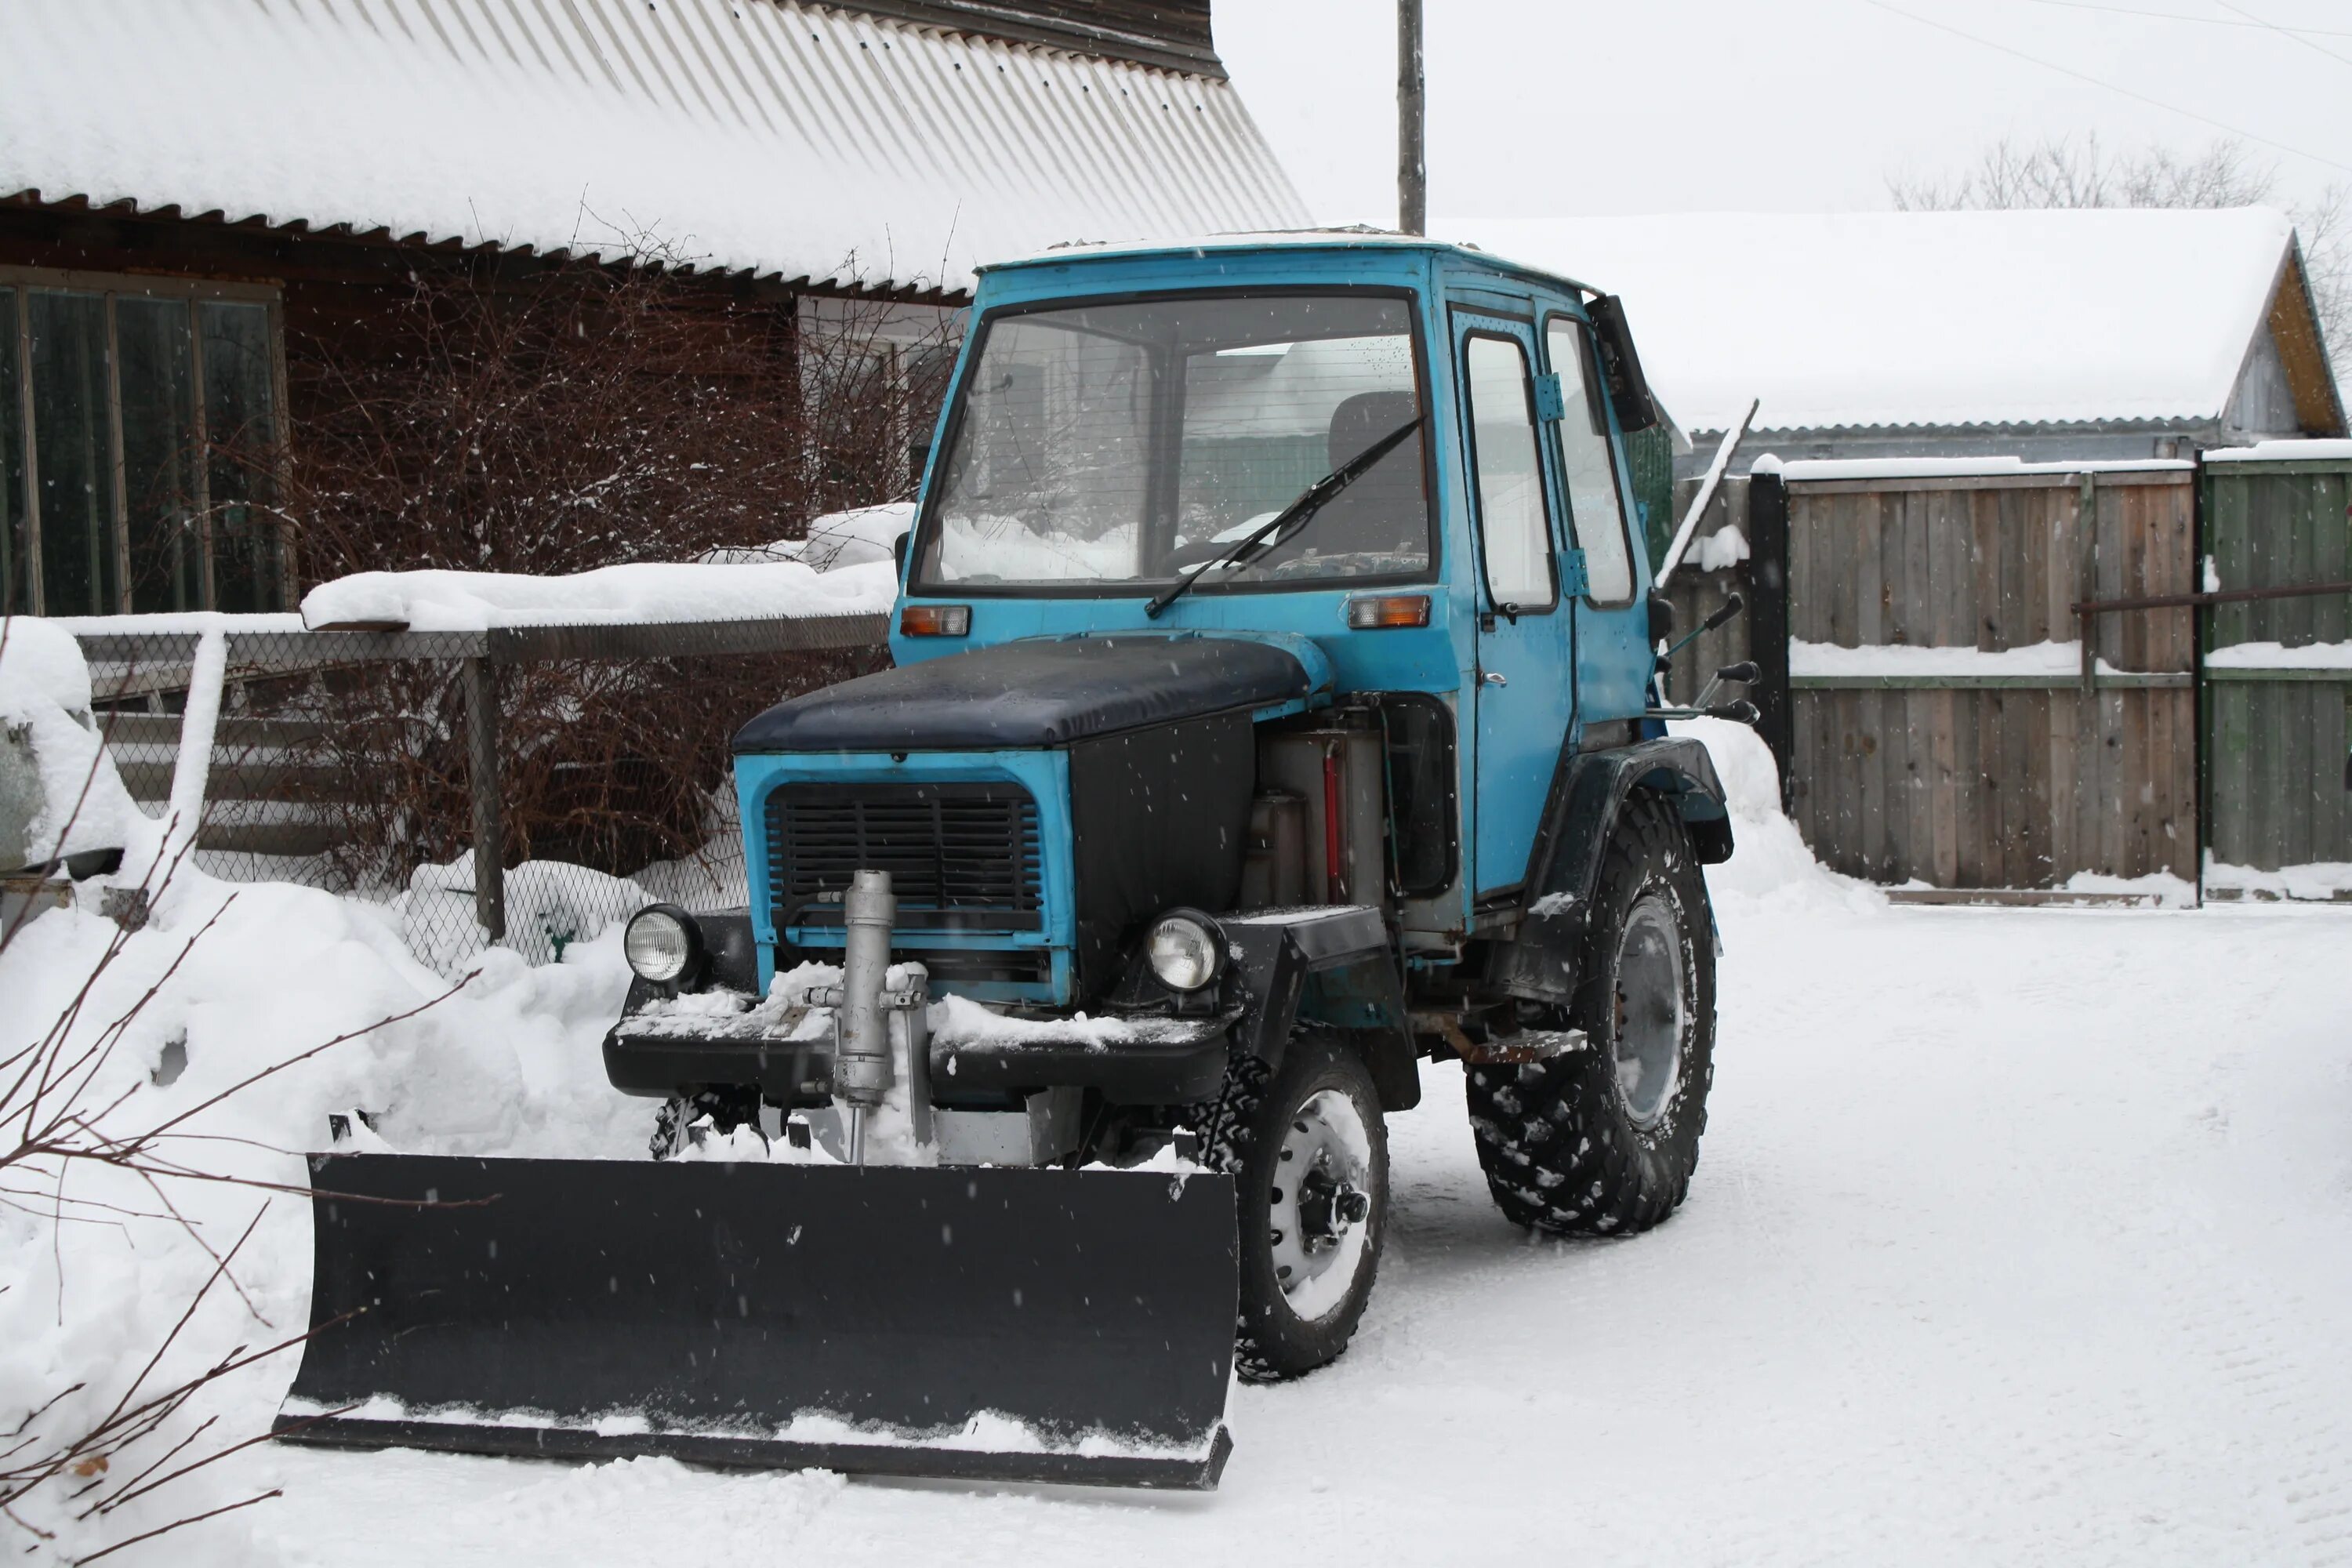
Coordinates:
1395 468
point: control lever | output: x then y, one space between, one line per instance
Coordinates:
1740 711
1744 673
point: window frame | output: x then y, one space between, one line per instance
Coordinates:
975 344
1467 334
1596 385
110 287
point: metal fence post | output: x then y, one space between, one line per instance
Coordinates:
481 678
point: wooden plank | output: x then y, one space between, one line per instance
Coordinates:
2297 764
1870 591
2031 762
1919 769
2063 747
1972 792
1870 782
2332 838
2233 783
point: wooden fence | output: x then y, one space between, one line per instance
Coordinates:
2276 723
1941 725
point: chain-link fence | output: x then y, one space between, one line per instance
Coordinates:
526 786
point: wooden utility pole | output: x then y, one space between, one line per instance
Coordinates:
1412 169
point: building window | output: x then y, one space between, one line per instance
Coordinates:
140 440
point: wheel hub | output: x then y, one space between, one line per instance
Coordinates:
1320 1204
1650 1019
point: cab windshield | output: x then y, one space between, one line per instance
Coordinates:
1104 448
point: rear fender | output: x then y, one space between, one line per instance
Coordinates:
1537 963
1334 967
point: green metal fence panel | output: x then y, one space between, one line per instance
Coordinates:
2275 735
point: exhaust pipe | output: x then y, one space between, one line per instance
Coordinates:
864 1064
861 1063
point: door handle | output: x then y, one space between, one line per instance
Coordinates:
1492 679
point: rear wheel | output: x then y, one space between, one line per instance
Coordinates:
1602 1141
1309 1154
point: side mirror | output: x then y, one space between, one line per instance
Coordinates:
1621 366
1661 618
898 548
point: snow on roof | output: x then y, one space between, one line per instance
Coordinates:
762 135
1925 319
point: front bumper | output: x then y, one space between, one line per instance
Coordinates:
1136 1060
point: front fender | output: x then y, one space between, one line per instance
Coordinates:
1537 963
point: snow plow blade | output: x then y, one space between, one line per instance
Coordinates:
987 1324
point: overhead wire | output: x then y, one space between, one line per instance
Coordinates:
2112 86
2284 32
2198 21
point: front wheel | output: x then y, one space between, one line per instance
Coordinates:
1602 1140
1309 1156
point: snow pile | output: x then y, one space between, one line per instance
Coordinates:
2323 451
2279 656
60 792
550 905
2321 881
858 537
1894 319
2058 660
637 594
245 979
1770 865
1721 551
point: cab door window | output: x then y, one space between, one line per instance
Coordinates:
1514 538
1588 469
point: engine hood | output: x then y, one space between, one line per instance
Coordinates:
1038 692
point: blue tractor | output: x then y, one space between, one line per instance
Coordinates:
1274 709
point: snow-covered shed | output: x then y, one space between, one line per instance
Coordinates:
188 190
2047 335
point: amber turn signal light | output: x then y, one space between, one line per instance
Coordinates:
935 621
1391 610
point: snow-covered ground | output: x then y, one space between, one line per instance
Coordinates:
2019 1235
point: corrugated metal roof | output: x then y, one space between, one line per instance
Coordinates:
767 136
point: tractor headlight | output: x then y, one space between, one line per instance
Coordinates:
1186 951
659 944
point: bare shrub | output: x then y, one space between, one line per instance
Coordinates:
582 417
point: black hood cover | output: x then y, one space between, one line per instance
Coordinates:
1040 692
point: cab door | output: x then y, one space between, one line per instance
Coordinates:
1610 611
1525 691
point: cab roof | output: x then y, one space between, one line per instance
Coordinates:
1464 253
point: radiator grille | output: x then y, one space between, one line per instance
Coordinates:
959 856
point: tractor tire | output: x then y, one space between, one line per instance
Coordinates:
1309 1158
1602 1140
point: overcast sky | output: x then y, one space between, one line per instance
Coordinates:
1565 107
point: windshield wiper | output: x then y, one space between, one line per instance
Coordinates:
1287 523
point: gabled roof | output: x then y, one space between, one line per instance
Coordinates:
764 136
1944 319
